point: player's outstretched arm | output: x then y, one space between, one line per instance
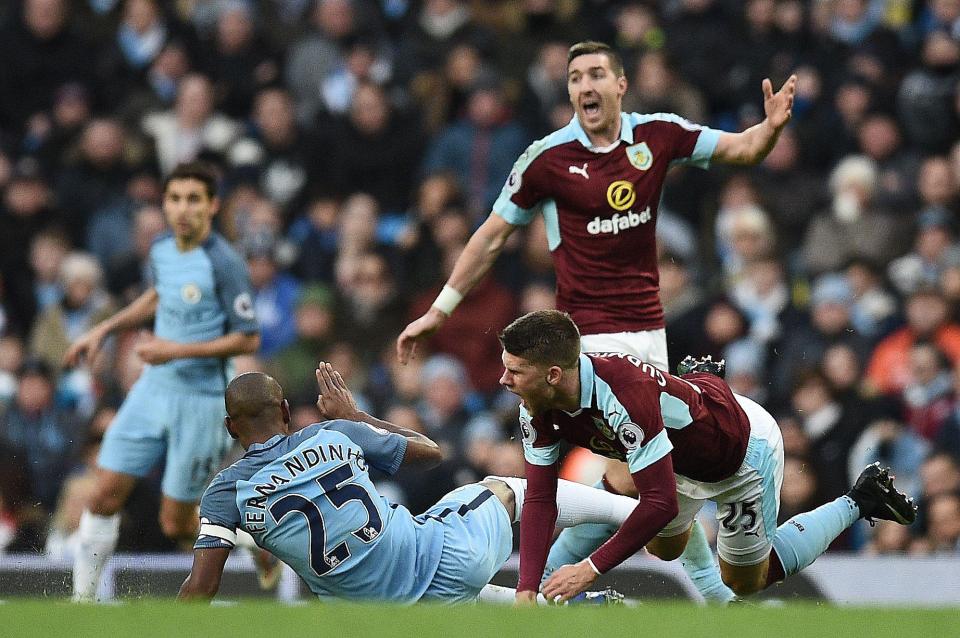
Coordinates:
134 314
472 264
203 583
335 401
754 144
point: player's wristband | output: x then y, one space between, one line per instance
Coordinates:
447 300
592 566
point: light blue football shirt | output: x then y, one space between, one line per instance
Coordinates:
308 499
204 293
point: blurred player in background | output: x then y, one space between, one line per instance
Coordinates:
203 308
598 182
307 497
686 440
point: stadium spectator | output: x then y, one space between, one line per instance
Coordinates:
490 304
313 323
928 318
47 437
281 157
47 251
928 397
943 525
375 148
479 146
853 226
239 61
192 129
84 304
41 53
127 273
275 293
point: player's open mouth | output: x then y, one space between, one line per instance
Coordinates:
591 107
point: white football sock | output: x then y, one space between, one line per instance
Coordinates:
576 503
497 595
97 539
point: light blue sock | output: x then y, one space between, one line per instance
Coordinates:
702 568
576 543
800 540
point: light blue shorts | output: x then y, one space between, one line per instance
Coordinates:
477 541
155 420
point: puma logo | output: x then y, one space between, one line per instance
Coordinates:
580 171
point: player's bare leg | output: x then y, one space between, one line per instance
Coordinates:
669 547
179 520
694 550
803 538
99 531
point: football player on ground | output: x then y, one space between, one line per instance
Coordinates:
686 440
307 498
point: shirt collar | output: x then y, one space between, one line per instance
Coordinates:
587 381
626 131
256 447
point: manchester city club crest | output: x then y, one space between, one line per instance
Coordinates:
640 156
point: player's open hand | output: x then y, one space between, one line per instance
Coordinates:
425 326
335 401
778 106
568 581
87 345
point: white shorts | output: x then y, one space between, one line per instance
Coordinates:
748 502
649 346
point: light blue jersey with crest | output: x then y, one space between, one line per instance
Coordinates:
204 293
308 499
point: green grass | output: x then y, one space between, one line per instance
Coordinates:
143 619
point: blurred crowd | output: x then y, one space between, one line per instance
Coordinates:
361 141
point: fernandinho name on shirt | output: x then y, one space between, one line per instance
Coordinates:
254 516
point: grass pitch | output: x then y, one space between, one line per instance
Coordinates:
144 619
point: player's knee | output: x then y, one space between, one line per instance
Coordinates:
663 549
503 492
106 502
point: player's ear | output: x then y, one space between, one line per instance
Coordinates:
554 374
285 412
228 423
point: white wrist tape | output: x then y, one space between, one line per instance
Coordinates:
447 300
592 566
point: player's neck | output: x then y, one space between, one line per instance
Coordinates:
568 391
186 244
609 136
259 437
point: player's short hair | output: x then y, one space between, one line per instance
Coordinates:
589 47
194 170
543 337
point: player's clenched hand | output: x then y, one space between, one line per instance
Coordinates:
568 581
335 400
425 326
525 598
778 106
154 350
